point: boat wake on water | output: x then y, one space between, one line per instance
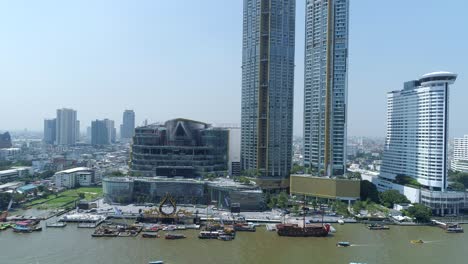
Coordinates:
364 245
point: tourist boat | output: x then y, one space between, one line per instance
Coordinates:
455 228
419 241
150 235
225 237
174 236
208 235
377 227
56 224
343 244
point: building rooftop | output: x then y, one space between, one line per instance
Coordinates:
75 170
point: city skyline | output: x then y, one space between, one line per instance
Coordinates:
148 69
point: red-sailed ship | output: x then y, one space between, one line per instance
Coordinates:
306 230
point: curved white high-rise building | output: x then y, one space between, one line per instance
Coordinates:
417 131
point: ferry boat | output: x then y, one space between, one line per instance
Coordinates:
174 236
377 227
455 228
343 244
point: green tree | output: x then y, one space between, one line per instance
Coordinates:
4 200
457 186
391 197
369 191
461 177
273 202
297 169
81 195
420 213
283 200
116 174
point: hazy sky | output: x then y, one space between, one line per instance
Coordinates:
168 59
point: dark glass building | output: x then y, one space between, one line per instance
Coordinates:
5 140
180 147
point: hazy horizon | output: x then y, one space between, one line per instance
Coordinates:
164 60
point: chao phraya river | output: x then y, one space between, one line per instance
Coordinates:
74 245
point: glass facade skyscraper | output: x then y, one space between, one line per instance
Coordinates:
325 85
267 86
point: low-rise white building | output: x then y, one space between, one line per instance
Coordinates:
75 177
14 173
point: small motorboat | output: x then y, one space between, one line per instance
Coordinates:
156 262
174 236
56 224
225 237
419 241
343 244
150 235
341 222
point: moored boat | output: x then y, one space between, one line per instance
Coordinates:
150 235
225 237
377 227
244 227
208 235
56 224
310 230
455 228
174 236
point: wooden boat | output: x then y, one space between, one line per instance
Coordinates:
419 241
343 244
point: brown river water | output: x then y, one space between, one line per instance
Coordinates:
74 245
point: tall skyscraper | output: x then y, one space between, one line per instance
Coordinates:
77 127
267 87
111 130
49 131
100 132
66 127
128 124
417 131
325 85
460 154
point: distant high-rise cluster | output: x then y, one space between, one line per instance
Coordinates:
102 132
417 131
460 154
127 128
63 130
267 87
325 85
